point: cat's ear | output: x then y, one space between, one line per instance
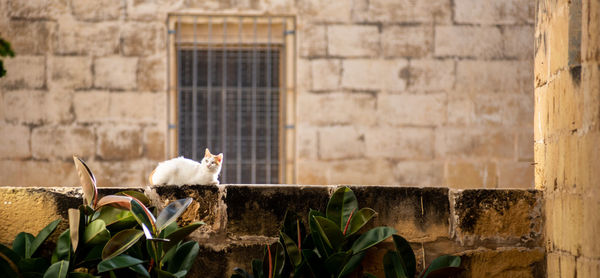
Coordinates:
220 157
207 153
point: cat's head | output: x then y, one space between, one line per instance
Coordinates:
213 162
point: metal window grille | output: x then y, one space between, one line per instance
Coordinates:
230 96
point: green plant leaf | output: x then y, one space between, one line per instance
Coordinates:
96 232
278 260
445 272
359 219
116 201
315 235
118 262
75 221
8 261
33 267
135 194
140 269
42 236
335 262
94 254
63 247
164 274
81 275
341 204
314 263
184 257
22 244
170 213
406 254
57 270
88 182
143 215
393 266
120 242
330 233
292 249
442 262
116 219
371 238
257 268
352 264
180 233
293 227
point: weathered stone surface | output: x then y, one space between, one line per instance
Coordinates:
115 72
463 174
494 76
97 10
506 110
341 142
460 111
466 142
24 72
313 40
154 143
69 72
14 141
38 107
325 74
119 142
247 203
102 106
404 11
358 171
509 214
307 142
328 11
140 39
124 173
207 197
337 108
431 75
98 39
518 41
494 12
151 74
353 40
29 37
66 141
481 42
407 41
373 74
403 143
422 173
37 173
509 262
515 175
410 109
37 9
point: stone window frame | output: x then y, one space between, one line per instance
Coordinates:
287 24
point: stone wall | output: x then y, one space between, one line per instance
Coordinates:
498 233
567 133
411 92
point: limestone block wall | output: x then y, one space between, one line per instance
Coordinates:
567 133
498 233
411 92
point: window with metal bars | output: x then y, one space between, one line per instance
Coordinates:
231 88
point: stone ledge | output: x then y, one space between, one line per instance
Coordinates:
477 224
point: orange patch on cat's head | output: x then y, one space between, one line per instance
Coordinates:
219 158
207 153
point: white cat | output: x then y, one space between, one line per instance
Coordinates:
180 171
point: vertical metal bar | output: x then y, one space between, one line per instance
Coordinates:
209 119
254 76
268 108
179 72
195 97
283 98
238 172
224 100
168 115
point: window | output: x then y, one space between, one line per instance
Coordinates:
231 89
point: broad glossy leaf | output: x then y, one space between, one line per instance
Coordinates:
278 260
335 262
143 215
352 264
140 269
184 257
292 250
293 226
43 235
135 194
359 219
74 223
96 232
257 268
88 182
116 219
342 203
33 266
22 244
57 270
315 235
442 262
120 242
164 274
445 272
63 247
314 263
406 254
8 261
118 262
94 254
330 233
121 202
170 213
393 266
179 234
371 238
